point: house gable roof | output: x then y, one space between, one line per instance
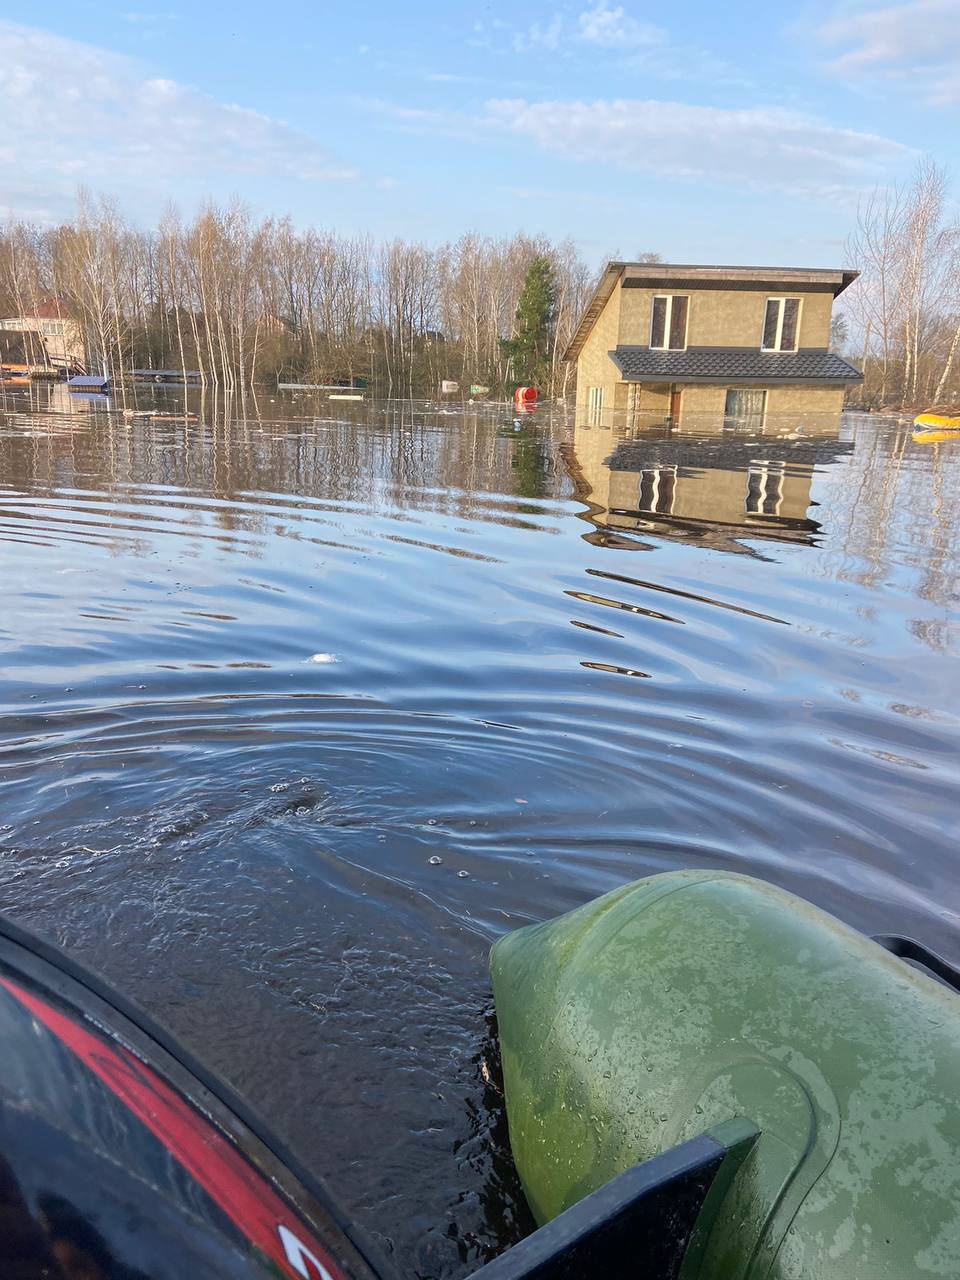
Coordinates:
672 275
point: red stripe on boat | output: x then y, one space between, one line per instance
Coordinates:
232 1183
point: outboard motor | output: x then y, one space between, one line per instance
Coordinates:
706 1079
120 1159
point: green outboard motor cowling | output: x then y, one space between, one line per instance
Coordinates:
672 1006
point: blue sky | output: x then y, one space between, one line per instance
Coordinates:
706 132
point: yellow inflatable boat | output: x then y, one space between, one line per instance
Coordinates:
930 428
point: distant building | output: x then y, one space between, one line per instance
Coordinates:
664 342
61 339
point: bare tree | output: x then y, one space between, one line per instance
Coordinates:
241 301
905 302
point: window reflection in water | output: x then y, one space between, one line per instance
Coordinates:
720 479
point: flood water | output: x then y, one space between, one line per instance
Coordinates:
300 711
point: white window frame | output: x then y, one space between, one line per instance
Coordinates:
669 297
595 403
792 297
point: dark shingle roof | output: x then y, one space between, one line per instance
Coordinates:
717 365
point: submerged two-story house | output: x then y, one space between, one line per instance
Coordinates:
660 341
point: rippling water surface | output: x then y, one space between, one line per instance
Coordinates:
299 712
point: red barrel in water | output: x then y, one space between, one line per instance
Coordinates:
525 398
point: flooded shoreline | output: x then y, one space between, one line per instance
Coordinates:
298 712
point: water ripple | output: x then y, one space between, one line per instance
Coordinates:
300 864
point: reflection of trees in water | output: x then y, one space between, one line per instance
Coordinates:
891 504
899 504
532 465
374 456
875 503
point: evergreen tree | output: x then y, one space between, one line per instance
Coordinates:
529 350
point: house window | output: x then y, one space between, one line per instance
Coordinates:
668 322
53 328
595 403
744 408
781 324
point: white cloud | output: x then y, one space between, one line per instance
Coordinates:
615 28
757 148
598 25
71 111
917 44
451 77
139 18
635 46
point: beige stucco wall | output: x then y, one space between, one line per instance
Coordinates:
816 409
813 408
594 366
824 399
655 398
635 304
718 318
724 318
698 401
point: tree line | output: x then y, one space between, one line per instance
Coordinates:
905 308
243 301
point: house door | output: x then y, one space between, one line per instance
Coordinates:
675 394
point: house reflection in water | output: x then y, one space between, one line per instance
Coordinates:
722 484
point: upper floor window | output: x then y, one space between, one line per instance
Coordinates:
53 328
668 322
781 324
